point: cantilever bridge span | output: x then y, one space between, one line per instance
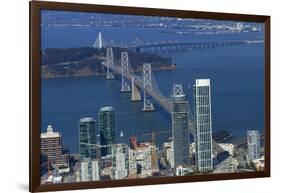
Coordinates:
170 46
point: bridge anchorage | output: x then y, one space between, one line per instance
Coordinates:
147 87
125 86
109 63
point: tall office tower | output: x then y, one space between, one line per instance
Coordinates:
120 161
203 120
253 140
107 129
180 126
51 148
87 138
89 170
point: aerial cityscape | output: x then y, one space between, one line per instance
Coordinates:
128 97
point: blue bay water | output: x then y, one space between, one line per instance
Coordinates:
236 73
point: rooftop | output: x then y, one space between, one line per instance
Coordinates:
202 82
253 132
87 119
50 133
107 108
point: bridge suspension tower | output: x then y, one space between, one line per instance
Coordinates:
99 43
147 87
125 86
109 63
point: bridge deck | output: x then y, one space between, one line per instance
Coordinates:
173 45
163 101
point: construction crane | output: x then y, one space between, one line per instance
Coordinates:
49 166
153 134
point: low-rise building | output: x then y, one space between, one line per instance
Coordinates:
90 170
146 159
106 161
183 170
259 164
53 179
229 147
120 161
132 163
168 153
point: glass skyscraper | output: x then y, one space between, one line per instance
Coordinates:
180 126
87 138
203 120
253 142
107 129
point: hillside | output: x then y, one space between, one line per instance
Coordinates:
86 61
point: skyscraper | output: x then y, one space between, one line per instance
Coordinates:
120 161
87 138
180 126
51 148
107 128
253 141
203 120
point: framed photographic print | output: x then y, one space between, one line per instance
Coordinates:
123 96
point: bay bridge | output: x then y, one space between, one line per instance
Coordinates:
175 46
160 47
135 84
146 82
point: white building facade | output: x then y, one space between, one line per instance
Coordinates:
89 170
253 142
120 162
